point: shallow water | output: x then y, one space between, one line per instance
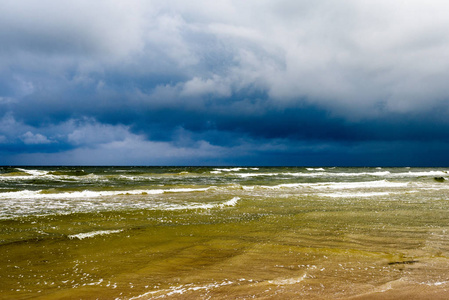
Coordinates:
164 232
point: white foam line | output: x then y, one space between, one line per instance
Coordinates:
354 195
335 185
288 281
234 169
256 174
187 190
357 185
322 173
181 289
330 174
231 202
26 194
188 207
317 174
437 283
85 235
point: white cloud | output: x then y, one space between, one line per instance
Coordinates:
216 86
133 150
30 138
83 27
92 133
351 57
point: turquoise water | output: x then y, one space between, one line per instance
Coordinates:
186 232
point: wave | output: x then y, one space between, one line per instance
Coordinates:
178 290
230 169
234 169
49 194
20 207
421 174
288 281
323 174
33 172
334 185
358 185
434 283
181 289
231 202
91 234
355 195
387 174
339 174
25 174
314 169
83 176
316 174
256 174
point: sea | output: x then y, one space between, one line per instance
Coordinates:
224 233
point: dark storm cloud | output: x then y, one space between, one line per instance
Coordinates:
228 82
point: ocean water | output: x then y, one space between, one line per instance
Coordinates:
219 233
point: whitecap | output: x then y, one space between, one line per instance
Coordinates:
34 172
230 169
231 202
314 169
256 174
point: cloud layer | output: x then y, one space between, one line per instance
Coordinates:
225 82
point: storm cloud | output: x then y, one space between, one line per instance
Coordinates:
352 82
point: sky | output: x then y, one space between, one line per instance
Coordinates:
254 82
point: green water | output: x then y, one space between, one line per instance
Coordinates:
122 232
